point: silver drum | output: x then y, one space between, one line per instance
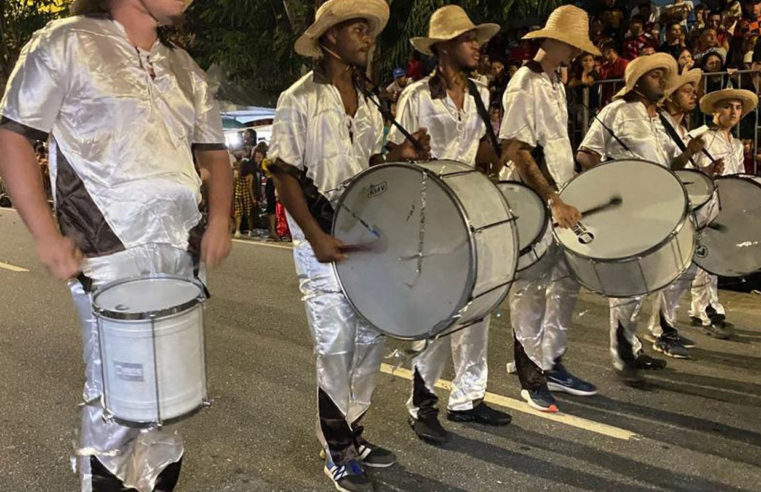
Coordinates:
703 195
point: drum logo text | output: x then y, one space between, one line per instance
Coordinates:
128 371
377 189
585 237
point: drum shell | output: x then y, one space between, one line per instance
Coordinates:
533 256
485 217
707 211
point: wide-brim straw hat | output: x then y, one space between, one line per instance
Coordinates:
334 12
570 25
678 81
448 23
644 64
747 98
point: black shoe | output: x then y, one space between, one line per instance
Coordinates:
429 429
631 376
480 414
715 316
671 346
348 477
373 456
686 342
644 361
719 329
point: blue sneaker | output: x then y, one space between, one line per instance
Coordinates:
561 380
348 476
540 399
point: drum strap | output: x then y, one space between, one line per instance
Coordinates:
675 136
484 114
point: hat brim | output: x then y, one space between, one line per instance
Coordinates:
658 61
375 12
691 77
484 32
571 38
747 98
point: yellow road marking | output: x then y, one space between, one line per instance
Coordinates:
520 406
12 268
257 243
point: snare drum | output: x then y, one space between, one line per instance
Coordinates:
731 246
443 247
532 218
703 195
635 248
152 349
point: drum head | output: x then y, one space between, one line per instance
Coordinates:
143 297
731 245
404 208
529 210
653 206
699 186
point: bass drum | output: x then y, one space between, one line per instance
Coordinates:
440 247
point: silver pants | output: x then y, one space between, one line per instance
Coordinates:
542 301
468 347
625 312
136 457
348 350
667 301
705 292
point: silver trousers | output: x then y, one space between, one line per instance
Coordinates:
348 350
705 292
136 457
625 312
667 300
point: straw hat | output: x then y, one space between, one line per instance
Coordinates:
644 64
449 22
570 25
747 98
334 12
678 81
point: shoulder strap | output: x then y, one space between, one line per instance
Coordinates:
675 136
481 108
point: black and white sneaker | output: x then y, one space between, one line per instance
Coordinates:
374 456
644 361
671 346
348 477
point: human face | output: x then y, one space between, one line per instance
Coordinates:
674 32
685 58
463 50
727 113
497 68
588 62
647 51
652 85
708 39
166 12
609 54
635 27
714 21
686 98
351 40
713 64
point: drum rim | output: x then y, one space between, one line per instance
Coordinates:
744 177
686 215
149 315
545 225
714 189
473 260
149 424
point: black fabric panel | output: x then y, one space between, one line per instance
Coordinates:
79 217
167 480
425 400
530 375
337 432
625 349
21 129
103 480
319 206
665 326
209 146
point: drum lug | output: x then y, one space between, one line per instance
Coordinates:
207 403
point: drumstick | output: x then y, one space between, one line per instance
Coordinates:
616 201
717 227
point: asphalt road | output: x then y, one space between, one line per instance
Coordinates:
696 429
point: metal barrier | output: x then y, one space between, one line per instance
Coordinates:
584 101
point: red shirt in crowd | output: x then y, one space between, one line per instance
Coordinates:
524 51
614 70
634 44
415 69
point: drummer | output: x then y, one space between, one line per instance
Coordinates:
325 132
680 100
445 103
633 129
538 152
126 191
728 107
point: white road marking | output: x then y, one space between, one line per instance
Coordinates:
520 406
12 268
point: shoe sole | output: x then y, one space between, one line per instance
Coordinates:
571 391
476 420
434 440
330 476
649 337
364 463
669 354
550 409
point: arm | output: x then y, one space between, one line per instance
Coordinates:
487 158
21 175
216 243
587 158
694 146
520 154
326 247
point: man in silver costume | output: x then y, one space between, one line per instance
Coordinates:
125 112
325 132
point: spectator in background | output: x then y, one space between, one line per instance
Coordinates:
495 116
685 61
269 194
512 68
674 38
649 12
415 67
613 67
612 19
637 39
647 51
708 41
701 11
583 77
748 162
715 21
484 70
679 11
499 80
525 51
597 33
397 86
